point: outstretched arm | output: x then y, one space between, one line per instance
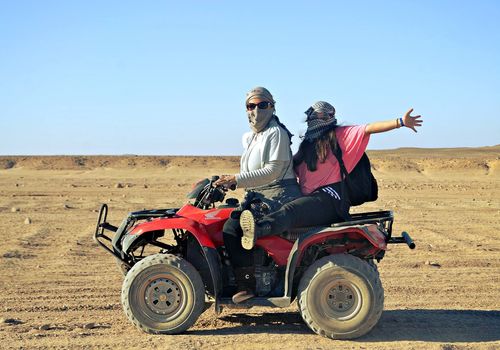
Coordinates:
407 120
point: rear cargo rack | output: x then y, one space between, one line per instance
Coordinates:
384 220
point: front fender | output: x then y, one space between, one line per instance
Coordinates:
198 231
208 250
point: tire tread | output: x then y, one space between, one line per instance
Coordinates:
182 265
369 270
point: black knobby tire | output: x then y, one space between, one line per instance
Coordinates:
341 297
373 265
163 294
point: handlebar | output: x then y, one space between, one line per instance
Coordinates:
212 193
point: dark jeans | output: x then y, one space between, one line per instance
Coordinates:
322 207
239 256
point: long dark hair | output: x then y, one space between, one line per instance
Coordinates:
284 127
310 151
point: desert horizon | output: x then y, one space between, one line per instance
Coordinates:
484 147
488 154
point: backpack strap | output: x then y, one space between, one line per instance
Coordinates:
338 154
344 203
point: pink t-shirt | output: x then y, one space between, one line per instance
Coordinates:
352 141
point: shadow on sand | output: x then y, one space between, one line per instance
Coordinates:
394 325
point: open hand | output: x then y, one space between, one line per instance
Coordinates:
412 121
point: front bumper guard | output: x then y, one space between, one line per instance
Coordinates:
100 236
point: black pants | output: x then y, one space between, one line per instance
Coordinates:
232 233
322 207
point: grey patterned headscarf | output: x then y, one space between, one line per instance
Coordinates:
320 118
260 92
259 118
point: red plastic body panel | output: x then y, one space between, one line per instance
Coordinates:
278 248
205 225
370 232
181 223
212 220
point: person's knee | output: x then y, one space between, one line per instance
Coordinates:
289 209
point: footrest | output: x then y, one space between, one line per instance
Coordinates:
405 238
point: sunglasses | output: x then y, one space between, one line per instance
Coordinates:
260 105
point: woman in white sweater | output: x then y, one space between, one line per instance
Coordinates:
266 173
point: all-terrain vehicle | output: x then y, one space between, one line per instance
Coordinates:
175 266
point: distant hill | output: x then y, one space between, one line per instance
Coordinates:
485 159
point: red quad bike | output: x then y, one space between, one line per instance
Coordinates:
330 270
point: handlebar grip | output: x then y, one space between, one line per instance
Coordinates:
408 240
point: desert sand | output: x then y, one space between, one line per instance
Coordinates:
58 289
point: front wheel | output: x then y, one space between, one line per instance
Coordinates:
163 294
341 297
122 267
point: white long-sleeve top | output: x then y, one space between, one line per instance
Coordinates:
266 159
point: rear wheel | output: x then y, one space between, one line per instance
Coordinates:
373 265
341 297
163 294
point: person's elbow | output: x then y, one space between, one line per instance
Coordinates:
369 129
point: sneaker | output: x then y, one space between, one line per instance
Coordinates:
247 223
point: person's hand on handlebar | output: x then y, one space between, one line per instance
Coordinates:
228 181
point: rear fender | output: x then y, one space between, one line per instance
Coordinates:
334 240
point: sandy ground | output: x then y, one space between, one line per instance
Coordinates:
59 290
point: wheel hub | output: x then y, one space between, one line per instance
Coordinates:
340 298
163 296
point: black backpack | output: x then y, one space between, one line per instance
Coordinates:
360 185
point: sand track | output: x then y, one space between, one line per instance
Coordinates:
59 290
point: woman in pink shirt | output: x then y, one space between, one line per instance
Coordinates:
319 173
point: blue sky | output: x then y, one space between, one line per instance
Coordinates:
164 77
